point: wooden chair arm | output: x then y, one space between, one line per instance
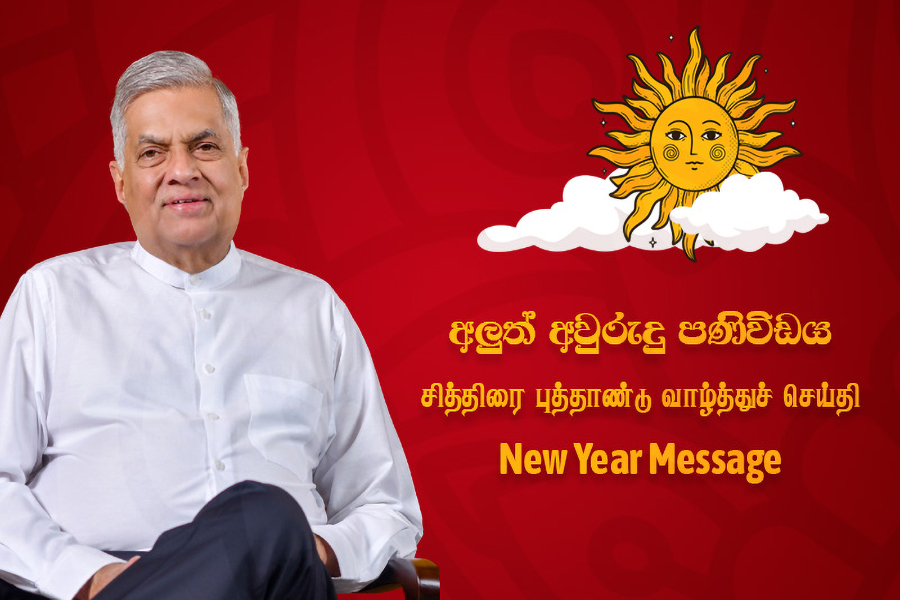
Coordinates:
417 577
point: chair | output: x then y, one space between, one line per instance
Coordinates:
418 578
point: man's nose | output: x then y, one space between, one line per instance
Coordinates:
182 166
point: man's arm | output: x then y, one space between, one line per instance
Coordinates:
35 554
363 476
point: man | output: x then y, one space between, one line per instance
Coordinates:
141 381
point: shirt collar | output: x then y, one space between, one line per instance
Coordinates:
222 272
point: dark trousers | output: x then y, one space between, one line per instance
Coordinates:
251 542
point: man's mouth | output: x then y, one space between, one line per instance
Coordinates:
189 200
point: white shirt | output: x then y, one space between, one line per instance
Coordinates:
131 393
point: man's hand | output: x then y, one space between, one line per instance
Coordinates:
102 578
107 573
328 557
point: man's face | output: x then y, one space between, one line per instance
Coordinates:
181 181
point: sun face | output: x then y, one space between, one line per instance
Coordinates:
690 134
694 144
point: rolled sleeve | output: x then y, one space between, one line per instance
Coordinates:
36 555
71 569
364 478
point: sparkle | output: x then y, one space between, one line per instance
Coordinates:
793 123
671 37
653 242
604 171
766 71
603 122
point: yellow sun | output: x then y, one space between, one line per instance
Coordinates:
689 135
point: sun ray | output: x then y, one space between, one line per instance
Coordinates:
689 75
631 140
726 90
717 78
665 207
689 243
685 199
766 158
756 119
647 94
702 78
741 94
664 94
643 206
757 140
633 120
622 158
671 78
648 108
745 168
638 184
637 170
741 108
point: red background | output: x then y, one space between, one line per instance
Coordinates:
385 135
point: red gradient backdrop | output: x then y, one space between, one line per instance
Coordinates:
385 135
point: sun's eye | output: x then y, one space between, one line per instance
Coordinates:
711 135
675 135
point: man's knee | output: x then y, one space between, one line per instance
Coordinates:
270 515
266 501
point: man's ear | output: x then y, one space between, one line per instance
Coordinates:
118 182
242 168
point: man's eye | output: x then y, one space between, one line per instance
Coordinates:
711 135
675 135
206 147
150 156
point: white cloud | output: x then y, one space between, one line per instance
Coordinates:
748 213
588 217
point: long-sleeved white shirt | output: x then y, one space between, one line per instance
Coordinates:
131 393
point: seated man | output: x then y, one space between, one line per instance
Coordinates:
146 387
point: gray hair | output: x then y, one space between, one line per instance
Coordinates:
165 70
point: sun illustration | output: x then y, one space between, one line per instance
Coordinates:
690 133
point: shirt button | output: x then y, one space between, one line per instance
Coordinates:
220 465
205 314
209 369
212 416
195 279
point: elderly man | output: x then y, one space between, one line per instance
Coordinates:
147 387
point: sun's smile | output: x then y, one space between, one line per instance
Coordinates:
689 135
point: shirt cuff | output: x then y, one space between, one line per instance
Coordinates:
71 569
343 549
